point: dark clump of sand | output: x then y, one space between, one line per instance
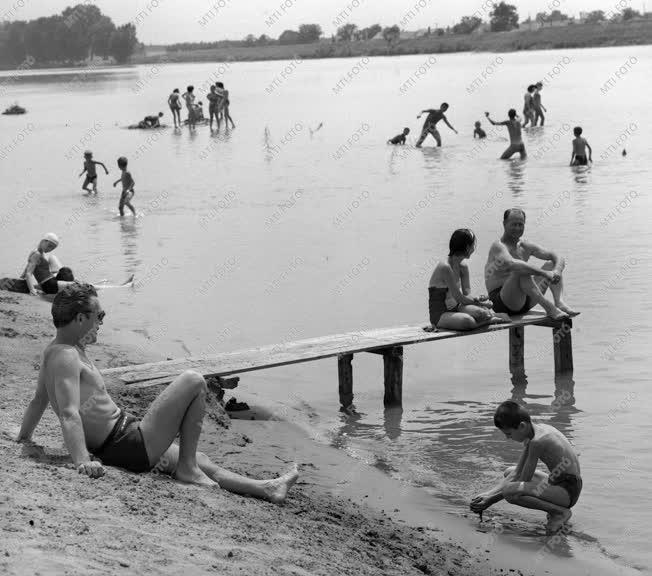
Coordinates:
55 521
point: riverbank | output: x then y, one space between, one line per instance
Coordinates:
574 36
342 517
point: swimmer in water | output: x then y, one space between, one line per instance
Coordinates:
430 125
578 156
528 105
515 137
399 138
539 108
479 132
128 184
91 172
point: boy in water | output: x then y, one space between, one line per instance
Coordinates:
528 105
91 173
578 156
213 100
515 137
539 108
430 125
189 98
224 104
127 187
555 493
399 138
479 132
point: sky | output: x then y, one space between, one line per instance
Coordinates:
170 21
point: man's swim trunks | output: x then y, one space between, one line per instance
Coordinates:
437 304
500 306
89 180
569 482
580 160
124 447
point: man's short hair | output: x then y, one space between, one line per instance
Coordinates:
509 211
72 300
509 415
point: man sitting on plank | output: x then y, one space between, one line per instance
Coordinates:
510 280
92 423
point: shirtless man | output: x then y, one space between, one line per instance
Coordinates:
539 108
510 280
92 424
555 493
528 105
430 125
515 136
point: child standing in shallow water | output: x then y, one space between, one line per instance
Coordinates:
91 172
127 187
578 156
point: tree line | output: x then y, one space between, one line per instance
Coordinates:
78 33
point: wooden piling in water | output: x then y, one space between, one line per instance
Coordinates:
517 355
393 360
345 378
563 348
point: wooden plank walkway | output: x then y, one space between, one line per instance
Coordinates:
385 341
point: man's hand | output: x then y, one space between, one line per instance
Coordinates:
552 276
92 469
479 503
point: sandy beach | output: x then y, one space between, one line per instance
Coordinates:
342 517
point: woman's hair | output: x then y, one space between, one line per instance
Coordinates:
461 241
509 415
70 301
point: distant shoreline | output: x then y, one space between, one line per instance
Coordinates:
636 33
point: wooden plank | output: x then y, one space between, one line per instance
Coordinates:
307 350
393 361
345 380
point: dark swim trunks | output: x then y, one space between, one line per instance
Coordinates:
124 447
437 303
499 305
569 482
580 160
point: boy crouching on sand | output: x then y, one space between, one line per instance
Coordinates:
524 485
127 187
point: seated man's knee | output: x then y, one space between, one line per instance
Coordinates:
466 323
193 378
509 471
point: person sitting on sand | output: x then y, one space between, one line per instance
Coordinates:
478 131
539 108
97 432
450 304
43 271
91 172
510 280
399 138
151 121
198 112
555 493
515 137
578 156
430 125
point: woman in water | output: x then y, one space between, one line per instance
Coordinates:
451 306
189 98
175 107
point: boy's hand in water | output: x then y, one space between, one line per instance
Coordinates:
479 503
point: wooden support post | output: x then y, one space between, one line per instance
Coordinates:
393 360
345 377
563 348
517 356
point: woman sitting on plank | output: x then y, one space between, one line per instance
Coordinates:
451 306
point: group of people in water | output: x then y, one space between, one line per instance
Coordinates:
218 107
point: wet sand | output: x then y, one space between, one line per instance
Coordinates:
342 517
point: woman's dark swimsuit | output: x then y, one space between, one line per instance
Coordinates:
500 306
124 447
49 286
569 482
437 303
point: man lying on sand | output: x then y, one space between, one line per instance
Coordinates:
510 279
555 493
92 423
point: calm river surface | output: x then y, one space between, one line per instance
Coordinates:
266 234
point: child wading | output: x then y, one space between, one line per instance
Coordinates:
127 187
555 493
578 156
399 138
91 172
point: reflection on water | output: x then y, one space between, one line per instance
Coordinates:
129 240
516 170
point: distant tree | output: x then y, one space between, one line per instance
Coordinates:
629 13
391 34
542 17
504 17
467 25
289 37
123 42
595 16
249 40
309 33
263 40
347 32
557 15
369 32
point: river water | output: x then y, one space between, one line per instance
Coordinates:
269 233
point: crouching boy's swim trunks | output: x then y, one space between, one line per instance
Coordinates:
569 482
124 447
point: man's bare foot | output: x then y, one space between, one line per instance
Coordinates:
566 308
556 521
500 318
193 476
556 314
277 489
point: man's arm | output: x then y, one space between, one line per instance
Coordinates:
542 254
505 261
448 124
29 275
103 166
33 413
528 463
65 366
495 123
590 151
422 111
